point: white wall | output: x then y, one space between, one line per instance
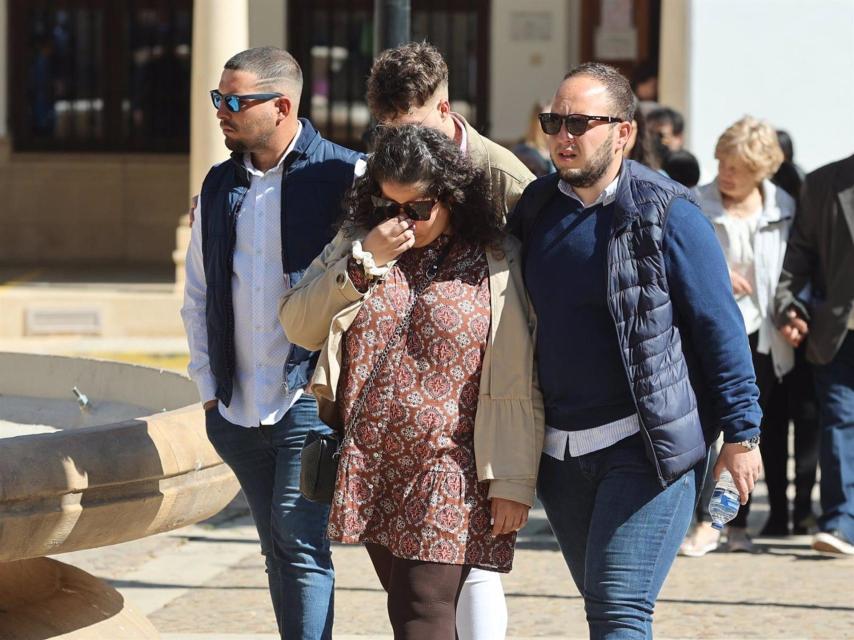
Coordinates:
4 47
790 62
267 23
528 66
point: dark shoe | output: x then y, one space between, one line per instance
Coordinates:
832 542
805 525
774 529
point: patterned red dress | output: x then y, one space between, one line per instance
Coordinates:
407 478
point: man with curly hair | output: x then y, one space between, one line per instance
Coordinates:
409 85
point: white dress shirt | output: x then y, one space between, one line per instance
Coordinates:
257 284
559 442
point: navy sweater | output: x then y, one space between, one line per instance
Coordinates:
581 373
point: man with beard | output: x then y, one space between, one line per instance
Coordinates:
642 354
263 216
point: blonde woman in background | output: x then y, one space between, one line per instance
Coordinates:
752 218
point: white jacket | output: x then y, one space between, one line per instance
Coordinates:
769 249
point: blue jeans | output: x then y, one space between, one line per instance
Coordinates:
291 529
619 531
834 384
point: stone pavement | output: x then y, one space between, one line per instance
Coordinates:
207 581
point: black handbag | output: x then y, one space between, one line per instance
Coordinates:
321 451
319 466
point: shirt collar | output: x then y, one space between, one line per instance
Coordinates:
608 195
247 157
464 142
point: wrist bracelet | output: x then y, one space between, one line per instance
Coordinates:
366 259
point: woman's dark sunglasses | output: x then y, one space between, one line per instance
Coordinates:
576 123
417 210
232 101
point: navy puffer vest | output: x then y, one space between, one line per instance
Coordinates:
643 314
315 176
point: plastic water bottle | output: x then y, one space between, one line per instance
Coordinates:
725 501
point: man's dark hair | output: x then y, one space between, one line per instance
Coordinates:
645 151
666 115
646 70
274 67
683 167
788 177
616 84
786 144
403 78
422 156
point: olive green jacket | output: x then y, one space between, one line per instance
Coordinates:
509 423
508 176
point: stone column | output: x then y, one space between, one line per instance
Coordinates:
220 29
674 56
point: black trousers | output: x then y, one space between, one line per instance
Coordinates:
792 402
422 596
782 401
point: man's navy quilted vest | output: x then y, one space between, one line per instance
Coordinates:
316 174
640 305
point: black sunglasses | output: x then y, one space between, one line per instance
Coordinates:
576 123
232 101
417 210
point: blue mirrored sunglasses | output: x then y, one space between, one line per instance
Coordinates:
233 101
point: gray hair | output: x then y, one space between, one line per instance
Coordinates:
619 88
274 67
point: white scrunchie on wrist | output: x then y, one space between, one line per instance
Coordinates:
366 259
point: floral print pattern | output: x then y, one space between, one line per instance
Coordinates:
407 478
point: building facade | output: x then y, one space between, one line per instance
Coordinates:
106 127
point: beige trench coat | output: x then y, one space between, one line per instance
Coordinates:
508 431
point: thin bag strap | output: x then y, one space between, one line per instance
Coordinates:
398 332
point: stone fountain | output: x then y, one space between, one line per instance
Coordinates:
92 453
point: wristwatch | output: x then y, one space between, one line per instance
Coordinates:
750 444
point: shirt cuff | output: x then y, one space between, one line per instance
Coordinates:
207 388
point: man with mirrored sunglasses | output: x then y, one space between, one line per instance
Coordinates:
233 101
641 352
262 217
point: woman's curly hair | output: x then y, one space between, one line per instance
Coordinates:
416 155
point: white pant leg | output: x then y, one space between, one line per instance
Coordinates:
481 610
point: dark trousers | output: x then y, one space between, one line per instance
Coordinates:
422 596
782 402
792 402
